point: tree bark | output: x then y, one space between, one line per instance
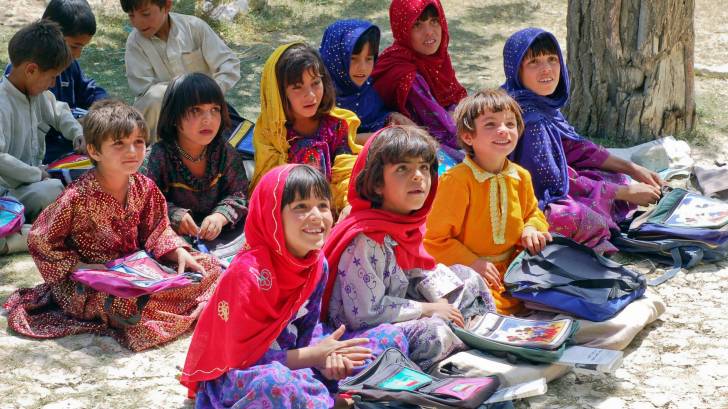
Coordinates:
631 66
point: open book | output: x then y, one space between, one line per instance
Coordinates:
521 332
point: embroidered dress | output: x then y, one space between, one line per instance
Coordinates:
383 274
88 225
577 197
477 214
223 188
320 149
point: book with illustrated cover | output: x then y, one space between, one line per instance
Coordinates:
521 332
699 211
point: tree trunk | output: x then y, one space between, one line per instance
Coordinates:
631 66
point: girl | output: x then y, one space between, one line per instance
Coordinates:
110 212
485 208
415 76
201 175
349 49
582 189
298 121
384 273
253 344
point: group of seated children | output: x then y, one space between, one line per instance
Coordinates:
298 308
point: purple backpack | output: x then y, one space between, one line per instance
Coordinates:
12 215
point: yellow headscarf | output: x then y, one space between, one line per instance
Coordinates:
269 136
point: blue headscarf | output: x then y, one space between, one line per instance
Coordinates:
540 150
337 46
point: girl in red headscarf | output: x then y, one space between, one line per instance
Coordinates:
415 76
253 342
383 273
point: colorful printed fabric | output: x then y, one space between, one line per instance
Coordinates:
88 225
223 188
337 46
319 150
564 165
425 111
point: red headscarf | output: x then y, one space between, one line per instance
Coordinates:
258 294
407 230
396 67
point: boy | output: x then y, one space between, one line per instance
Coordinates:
78 25
164 45
485 210
27 110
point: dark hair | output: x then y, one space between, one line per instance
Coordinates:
302 181
42 43
473 106
74 16
371 35
112 119
296 60
394 144
183 93
130 5
542 45
428 13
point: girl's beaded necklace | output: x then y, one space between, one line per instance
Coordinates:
193 159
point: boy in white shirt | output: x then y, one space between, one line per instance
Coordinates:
164 45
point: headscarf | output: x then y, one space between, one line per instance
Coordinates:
257 295
398 65
407 230
337 46
541 153
269 137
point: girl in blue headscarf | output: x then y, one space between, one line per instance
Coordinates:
349 49
583 190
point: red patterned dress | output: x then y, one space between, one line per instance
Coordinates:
88 225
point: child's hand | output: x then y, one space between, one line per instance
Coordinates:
185 261
211 226
349 349
79 145
337 367
638 193
489 272
343 213
444 310
646 176
533 240
44 172
395 118
187 226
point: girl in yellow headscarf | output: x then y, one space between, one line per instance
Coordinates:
299 122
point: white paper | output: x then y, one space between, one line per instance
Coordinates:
591 359
520 391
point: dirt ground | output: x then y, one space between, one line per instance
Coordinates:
677 362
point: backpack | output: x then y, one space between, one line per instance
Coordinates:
393 378
69 167
12 215
572 278
241 138
683 229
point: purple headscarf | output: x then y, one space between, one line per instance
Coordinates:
540 150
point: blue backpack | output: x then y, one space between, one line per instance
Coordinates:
683 229
12 215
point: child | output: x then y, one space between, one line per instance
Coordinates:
201 175
164 45
298 121
110 212
383 273
415 76
38 54
253 343
581 188
485 207
349 49
72 86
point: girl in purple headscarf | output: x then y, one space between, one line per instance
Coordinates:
583 190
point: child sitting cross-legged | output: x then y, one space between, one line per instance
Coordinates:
110 212
382 272
485 210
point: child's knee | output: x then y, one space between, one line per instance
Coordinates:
39 195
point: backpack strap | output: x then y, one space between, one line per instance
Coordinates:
678 265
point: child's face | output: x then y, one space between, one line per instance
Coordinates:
306 224
495 137
38 80
200 124
305 97
77 43
426 36
149 18
541 73
406 186
122 157
361 65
